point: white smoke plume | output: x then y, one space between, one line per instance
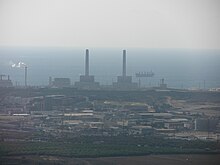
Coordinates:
18 65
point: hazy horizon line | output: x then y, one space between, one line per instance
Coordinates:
110 47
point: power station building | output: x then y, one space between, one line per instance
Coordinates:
87 81
124 81
61 82
5 82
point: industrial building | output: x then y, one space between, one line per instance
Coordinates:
124 81
162 84
87 81
5 82
206 124
60 82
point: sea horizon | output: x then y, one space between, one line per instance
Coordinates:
181 68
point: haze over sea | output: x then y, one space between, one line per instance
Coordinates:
180 68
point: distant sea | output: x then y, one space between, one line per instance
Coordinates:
180 68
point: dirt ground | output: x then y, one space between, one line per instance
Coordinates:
207 108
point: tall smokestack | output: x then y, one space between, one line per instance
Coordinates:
87 63
25 76
124 63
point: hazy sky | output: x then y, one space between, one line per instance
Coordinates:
111 23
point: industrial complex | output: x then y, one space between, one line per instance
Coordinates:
86 119
86 81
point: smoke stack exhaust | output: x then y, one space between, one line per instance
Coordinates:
25 75
87 63
124 63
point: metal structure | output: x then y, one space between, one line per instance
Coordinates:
25 76
144 74
140 75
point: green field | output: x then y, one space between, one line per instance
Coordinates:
108 146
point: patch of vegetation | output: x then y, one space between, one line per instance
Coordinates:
107 146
